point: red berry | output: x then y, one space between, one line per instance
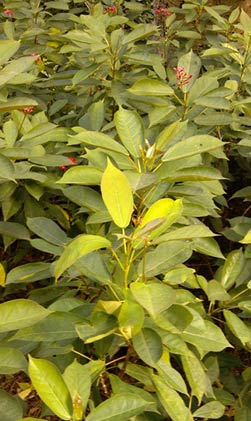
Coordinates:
73 160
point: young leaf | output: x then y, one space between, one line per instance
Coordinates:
131 318
130 130
117 195
78 380
119 407
50 386
80 246
16 314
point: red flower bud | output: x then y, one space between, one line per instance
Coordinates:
28 110
73 160
8 12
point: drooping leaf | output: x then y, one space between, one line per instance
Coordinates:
19 313
117 195
50 386
171 400
80 246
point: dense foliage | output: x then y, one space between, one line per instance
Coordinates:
124 190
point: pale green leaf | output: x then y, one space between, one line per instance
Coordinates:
50 386
151 87
195 374
80 246
171 400
119 407
19 313
211 410
81 174
130 318
7 49
30 272
238 327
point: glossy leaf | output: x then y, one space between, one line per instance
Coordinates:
50 386
117 195
232 268
19 313
79 247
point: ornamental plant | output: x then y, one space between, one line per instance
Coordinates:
125 229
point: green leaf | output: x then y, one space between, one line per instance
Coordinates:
209 338
102 325
130 129
164 257
7 49
11 408
117 195
186 233
16 314
7 170
30 272
58 326
247 238
48 230
142 30
207 246
211 410
130 318
166 210
238 327
171 401
229 273
147 343
15 68
119 407
11 360
17 103
191 63
154 297
195 375
151 87
50 386
15 230
214 118
80 246
81 174
98 140
85 196
78 381
192 146
175 319
172 377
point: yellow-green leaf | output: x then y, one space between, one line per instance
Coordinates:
117 195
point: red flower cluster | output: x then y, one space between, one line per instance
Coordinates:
28 110
73 162
162 11
8 12
38 58
181 76
110 9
